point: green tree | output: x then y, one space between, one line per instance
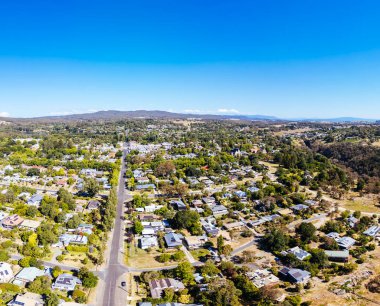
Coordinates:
306 231
185 271
220 244
138 227
91 186
275 240
52 299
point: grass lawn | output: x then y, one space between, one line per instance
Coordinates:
138 258
362 205
198 254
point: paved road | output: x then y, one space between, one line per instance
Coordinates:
112 294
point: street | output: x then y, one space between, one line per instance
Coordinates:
113 294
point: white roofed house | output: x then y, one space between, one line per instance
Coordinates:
27 299
148 242
6 273
66 282
67 239
298 253
195 242
30 224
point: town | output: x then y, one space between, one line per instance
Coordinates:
189 212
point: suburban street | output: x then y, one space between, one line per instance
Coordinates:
114 295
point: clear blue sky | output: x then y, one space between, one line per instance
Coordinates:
290 59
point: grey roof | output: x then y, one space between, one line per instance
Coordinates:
372 231
337 254
173 240
296 275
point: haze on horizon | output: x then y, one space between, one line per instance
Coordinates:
300 59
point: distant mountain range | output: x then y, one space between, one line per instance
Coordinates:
119 115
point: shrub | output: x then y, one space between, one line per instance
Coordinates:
79 296
10 288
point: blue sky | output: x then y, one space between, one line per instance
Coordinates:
283 58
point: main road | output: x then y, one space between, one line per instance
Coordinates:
114 294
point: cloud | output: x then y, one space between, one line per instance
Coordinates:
4 114
228 110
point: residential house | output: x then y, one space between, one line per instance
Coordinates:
173 240
27 275
219 210
6 273
12 221
66 282
346 242
352 221
240 194
299 207
67 239
157 286
238 225
85 228
145 187
93 204
178 205
195 242
35 200
148 242
209 200
209 228
295 275
27 299
142 180
261 278
30 224
341 256
372 231
298 253
197 203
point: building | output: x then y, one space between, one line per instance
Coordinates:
148 242
233 226
85 228
219 210
299 253
12 221
195 242
66 282
178 205
6 273
345 242
30 224
27 299
341 256
299 207
35 200
67 239
295 275
27 275
157 286
261 278
93 204
173 240
372 231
